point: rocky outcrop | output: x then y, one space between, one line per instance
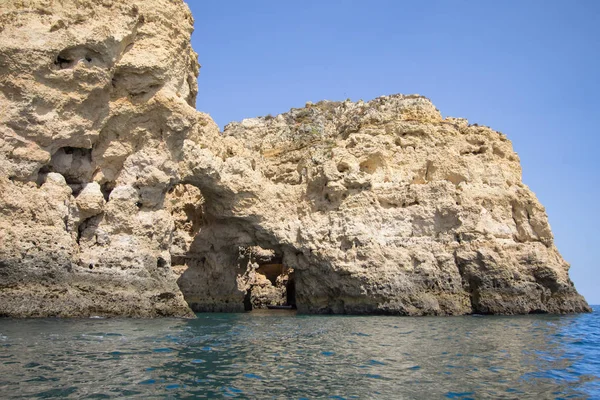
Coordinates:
384 207
96 100
118 198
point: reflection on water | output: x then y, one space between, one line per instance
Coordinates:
284 355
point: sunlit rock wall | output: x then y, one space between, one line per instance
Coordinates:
118 198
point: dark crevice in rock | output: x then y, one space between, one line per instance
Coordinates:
80 230
267 277
470 283
248 300
74 163
538 311
62 63
231 264
106 188
86 228
76 188
71 56
291 290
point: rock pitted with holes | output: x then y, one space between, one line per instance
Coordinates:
118 198
95 101
386 207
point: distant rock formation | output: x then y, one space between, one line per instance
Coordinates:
118 198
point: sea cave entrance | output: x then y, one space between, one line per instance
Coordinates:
217 268
270 283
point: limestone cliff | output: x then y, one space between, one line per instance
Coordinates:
118 198
95 101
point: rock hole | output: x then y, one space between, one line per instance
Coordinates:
372 164
71 56
80 230
343 167
271 284
91 266
161 263
165 296
76 188
458 237
90 223
410 203
271 271
248 300
74 163
63 63
291 290
106 188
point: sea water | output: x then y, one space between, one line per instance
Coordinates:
281 355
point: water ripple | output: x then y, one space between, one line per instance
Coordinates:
290 356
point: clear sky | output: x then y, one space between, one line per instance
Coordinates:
529 69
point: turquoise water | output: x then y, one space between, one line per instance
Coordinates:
286 356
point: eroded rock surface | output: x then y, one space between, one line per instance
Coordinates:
386 207
95 103
118 198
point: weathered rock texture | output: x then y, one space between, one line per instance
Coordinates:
386 207
118 198
95 102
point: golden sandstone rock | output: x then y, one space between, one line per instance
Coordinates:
118 198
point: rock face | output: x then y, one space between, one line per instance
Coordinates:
384 207
118 198
95 103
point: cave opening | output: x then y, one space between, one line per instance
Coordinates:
271 272
218 268
271 284
248 300
291 291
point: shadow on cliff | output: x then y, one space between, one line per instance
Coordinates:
215 271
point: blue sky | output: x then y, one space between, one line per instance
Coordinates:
529 69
